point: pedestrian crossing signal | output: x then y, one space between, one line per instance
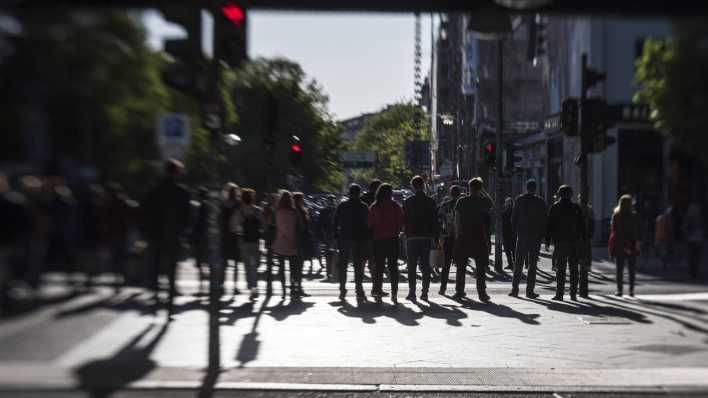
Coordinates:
490 153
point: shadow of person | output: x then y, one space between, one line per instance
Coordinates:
282 311
450 313
618 302
229 315
500 311
590 309
250 344
367 311
102 377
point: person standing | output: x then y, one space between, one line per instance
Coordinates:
624 241
694 234
285 244
472 229
305 246
167 211
585 249
385 222
420 216
251 219
566 228
200 231
369 198
269 232
508 233
351 230
447 216
229 236
528 221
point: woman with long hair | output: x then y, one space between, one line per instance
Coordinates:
385 222
624 241
304 246
285 244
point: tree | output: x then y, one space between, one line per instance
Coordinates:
674 82
386 134
301 111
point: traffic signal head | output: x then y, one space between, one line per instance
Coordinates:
230 27
569 117
490 153
295 154
591 77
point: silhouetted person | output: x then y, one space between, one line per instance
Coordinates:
509 237
585 249
529 223
369 198
229 237
694 235
625 248
447 216
14 232
285 243
352 232
305 245
250 229
166 208
200 233
565 229
119 221
385 222
472 229
420 215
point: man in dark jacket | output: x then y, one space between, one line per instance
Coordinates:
167 212
352 231
528 221
420 217
447 220
566 228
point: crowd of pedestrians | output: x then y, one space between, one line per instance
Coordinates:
46 224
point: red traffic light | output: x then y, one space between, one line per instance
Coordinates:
489 148
295 148
234 13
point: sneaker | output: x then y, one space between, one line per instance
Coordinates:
631 293
557 298
383 294
514 293
394 299
441 291
484 298
254 293
573 298
458 296
532 295
618 294
410 297
342 295
361 297
424 297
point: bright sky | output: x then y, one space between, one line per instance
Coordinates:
363 61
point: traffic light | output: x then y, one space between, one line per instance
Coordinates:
569 117
295 154
230 28
490 153
591 77
186 72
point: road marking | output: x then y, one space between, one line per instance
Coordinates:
702 296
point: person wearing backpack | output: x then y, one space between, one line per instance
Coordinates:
447 215
250 232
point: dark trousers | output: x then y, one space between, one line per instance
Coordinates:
481 265
448 247
418 252
632 265
165 260
510 250
296 264
694 258
269 271
386 256
585 264
566 255
527 249
356 251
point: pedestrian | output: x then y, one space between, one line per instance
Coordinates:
585 249
624 241
420 214
447 233
472 229
509 238
694 234
326 219
167 211
565 228
251 219
385 222
229 237
269 231
199 235
528 221
305 245
285 244
351 230
369 198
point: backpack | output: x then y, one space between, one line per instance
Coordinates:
251 228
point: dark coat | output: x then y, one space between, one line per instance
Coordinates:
627 232
529 216
420 217
351 221
566 223
167 213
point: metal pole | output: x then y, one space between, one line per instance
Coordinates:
499 189
584 186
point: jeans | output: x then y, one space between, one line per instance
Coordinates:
269 271
566 255
385 251
296 264
251 255
527 249
418 250
165 259
356 251
585 264
632 265
481 266
448 247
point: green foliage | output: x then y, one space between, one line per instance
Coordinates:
386 133
674 82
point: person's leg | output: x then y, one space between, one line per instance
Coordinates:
345 250
379 259
448 245
573 264
391 256
249 253
359 254
412 256
281 272
584 260
534 249
632 263
172 277
426 245
269 271
619 262
561 260
460 267
521 253
482 264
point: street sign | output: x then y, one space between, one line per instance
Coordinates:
172 135
358 159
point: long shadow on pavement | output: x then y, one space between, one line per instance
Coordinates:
590 309
450 313
500 311
620 303
370 310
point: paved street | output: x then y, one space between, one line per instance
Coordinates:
654 343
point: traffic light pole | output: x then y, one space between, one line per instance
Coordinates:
499 189
584 132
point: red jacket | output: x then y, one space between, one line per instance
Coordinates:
385 219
